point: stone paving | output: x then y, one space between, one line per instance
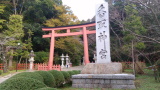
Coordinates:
3 78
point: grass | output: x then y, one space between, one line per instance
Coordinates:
11 72
142 82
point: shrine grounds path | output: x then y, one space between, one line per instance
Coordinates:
3 78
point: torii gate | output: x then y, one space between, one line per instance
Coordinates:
53 34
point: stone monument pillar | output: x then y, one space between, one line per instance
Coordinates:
103 63
104 73
102 34
31 60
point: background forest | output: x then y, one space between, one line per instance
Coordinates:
134 31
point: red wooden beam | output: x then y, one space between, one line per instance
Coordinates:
69 34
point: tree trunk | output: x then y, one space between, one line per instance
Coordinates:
138 65
10 58
4 64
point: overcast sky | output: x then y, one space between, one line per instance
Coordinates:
83 9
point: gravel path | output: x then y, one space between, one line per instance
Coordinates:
73 68
3 78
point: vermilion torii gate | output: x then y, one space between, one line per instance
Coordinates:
53 34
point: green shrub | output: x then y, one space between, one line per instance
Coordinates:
76 71
66 75
32 75
0 72
48 78
47 88
41 57
21 83
71 73
58 77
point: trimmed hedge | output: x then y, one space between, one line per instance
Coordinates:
66 75
32 75
47 88
71 73
76 71
48 78
58 77
21 83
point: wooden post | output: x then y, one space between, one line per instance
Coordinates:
50 63
86 56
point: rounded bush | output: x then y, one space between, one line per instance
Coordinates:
32 75
58 77
71 73
66 75
47 88
48 78
21 83
76 71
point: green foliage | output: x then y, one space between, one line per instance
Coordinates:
31 75
76 71
59 78
1 12
128 38
0 72
48 78
15 27
66 75
140 46
21 83
42 9
133 21
71 73
71 46
65 17
41 57
46 88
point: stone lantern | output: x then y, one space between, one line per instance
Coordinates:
31 60
62 59
67 59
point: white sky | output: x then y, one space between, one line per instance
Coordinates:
83 9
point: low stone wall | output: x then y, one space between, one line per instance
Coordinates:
115 81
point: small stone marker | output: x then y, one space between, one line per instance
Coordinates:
102 34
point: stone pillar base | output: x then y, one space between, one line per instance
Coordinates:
114 81
102 68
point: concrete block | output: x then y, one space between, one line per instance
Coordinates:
101 81
88 86
123 76
75 85
130 82
113 81
95 85
81 86
107 81
123 86
121 82
96 81
88 81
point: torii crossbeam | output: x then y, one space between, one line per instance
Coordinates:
53 34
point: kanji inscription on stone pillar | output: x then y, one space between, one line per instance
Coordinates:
102 34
